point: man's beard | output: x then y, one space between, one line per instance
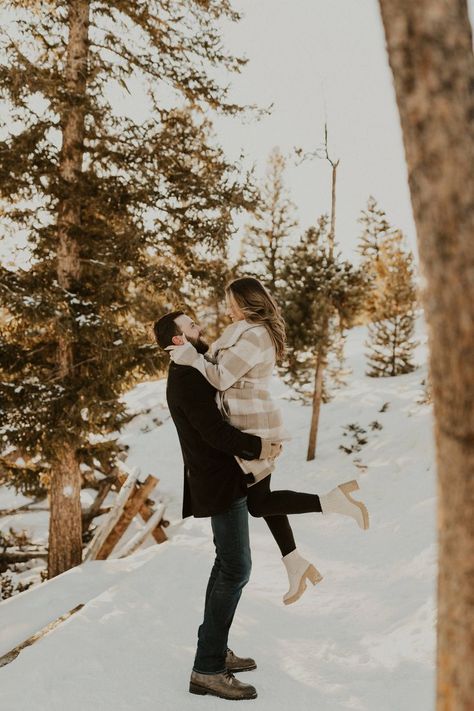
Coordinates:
200 345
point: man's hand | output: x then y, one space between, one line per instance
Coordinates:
270 450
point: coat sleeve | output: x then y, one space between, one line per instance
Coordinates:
232 363
197 401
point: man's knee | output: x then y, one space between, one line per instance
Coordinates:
246 570
238 571
244 576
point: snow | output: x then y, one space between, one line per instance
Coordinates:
362 639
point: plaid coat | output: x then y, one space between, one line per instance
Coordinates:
239 365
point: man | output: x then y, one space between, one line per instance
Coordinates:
215 486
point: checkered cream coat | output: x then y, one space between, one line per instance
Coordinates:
239 365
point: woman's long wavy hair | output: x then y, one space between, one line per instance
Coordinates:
259 306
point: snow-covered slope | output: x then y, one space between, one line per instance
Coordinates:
363 639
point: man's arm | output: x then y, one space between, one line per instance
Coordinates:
197 401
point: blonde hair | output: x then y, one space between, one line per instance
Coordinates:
259 306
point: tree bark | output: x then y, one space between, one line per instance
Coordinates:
316 408
322 348
65 531
430 52
65 520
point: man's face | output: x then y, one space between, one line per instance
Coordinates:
192 331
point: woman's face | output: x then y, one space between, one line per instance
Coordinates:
232 310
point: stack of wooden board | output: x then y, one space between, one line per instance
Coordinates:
132 500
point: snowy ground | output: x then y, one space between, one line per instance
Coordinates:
363 639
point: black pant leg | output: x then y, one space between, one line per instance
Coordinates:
281 531
263 502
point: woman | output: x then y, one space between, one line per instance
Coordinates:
239 365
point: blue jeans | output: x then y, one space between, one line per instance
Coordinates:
229 574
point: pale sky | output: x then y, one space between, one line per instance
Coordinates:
315 59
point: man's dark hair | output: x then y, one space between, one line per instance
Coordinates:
165 328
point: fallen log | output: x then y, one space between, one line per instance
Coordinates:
24 508
22 556
13 653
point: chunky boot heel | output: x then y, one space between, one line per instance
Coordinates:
313 575
349 486
340 501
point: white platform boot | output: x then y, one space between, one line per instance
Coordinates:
299 570
340 501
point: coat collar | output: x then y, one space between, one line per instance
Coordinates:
232 334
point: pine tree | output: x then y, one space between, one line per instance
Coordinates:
112 206
330 310
391 341
337 370
376 230
273 222
317 282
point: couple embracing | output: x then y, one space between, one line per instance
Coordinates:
231 432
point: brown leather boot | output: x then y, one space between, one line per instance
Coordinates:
224 685
239 664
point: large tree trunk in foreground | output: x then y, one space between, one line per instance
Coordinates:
430 52
65 529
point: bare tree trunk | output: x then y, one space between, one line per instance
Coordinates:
321 351
65 531
317 397
430 52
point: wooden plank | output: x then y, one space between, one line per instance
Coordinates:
146 512
158 533
140 536
95 508
133 506
115 513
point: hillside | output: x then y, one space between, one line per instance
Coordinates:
363 639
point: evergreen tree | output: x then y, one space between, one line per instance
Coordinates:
112 206
317 282
391 296
376 230
329 314
337 370
391 337
266 236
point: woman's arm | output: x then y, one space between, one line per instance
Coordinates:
232 363
197 405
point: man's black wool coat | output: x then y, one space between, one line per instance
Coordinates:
212 476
